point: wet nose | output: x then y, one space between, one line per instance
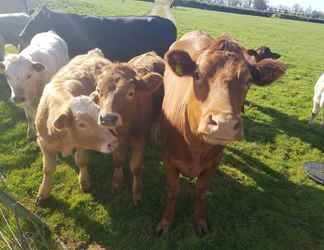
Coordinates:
225 125
108 120
18 99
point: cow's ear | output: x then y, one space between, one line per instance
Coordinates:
2 68
180 62
267 71
251 52
38 67
276 55
149 83
64 120
95 96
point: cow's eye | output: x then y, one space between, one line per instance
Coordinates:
29 76
82 125
196 76
131 93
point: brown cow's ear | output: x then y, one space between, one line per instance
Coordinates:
149 83
2 68
251 52
95 96
64 120
181 62
267 71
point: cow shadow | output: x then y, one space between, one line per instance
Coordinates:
266 212
266 132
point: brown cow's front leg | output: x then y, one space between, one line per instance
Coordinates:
136 164
119 158
49 165
81 158
173 185
201 188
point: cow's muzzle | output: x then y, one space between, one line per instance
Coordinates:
221 128
111 120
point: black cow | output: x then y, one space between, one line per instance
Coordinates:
119 38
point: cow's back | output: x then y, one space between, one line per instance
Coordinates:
50 50
11 25
120 38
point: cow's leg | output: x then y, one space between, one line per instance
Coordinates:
49 165
173 185
2 51
81 158
119 158
315 112
31 130
136 164
201 189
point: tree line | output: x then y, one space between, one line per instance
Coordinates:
264 5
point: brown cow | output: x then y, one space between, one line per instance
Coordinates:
67 119
130 100
205 84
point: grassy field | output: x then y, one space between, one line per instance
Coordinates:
259 199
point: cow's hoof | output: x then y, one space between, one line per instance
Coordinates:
162 228
137 198
85 187
40 202
201 227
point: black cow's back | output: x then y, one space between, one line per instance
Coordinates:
119 38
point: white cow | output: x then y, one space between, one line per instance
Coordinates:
318 99
29 71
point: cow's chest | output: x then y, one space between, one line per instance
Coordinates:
193 163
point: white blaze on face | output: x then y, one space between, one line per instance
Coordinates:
84 104
19 73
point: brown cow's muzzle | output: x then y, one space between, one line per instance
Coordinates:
221 128
111 120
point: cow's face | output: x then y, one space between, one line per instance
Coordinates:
23 76
40 22
117 90
220 80
79 119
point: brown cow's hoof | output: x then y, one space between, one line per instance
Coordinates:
117 180
201 227
40 202
137 198
162 228
85 187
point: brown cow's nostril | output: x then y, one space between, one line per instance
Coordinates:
236 125
211 121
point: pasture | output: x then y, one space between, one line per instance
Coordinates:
259 198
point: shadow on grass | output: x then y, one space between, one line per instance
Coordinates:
267 212
282 124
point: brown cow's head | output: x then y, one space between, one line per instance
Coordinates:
220 80
117 90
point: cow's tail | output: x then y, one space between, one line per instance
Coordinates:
163 8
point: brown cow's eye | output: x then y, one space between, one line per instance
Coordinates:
28 76
82 125
131 94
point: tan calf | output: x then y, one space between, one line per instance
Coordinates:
67 118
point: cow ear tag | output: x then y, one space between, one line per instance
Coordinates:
178 70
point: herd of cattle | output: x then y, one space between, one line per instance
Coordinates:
127 77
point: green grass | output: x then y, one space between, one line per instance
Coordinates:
259 198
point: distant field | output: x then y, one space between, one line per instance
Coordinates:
259 199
